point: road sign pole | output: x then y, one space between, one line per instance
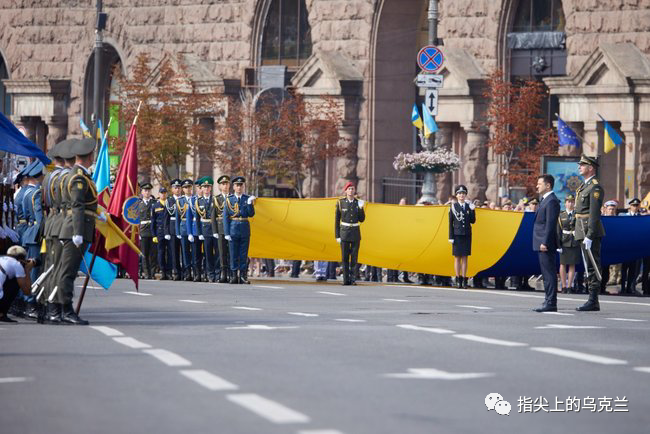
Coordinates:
429 185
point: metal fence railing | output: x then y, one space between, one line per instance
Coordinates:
393 189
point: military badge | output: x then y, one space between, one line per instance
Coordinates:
130 210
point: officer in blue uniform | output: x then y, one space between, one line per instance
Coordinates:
205 210
197 247
21 222
217 227
175 242
161 233
184 227
239 208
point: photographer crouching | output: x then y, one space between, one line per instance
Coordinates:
14 275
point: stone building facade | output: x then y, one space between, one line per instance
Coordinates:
591 54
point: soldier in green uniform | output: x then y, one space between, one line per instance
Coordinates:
589 229
78 228
145 212
570 248
348 218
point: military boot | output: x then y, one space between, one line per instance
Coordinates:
224 276
592 304
234 277
53 315
243 278
69 316
31 310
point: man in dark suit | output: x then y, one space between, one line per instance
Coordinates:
545 240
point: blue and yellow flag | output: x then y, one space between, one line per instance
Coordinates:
430 125
416 120
612 138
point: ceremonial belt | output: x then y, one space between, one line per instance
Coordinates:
239 219
568 232
206 220
350 224
172 219
86 211
582 215
183 219
145 222
22 221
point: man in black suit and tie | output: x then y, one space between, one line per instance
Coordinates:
545 240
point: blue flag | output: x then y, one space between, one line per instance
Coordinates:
430 125
14 142
104 272
565 135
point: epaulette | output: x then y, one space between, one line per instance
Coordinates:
595 181
80 172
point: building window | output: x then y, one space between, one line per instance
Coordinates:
539 16
287 35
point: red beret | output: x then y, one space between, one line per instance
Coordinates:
348 185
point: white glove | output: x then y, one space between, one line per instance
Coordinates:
472 206
201 237
77 240
228 237
361 203
140 237
168 237
451 241
338 240
587 242
178 236
559 250
190 238
215 236
251 199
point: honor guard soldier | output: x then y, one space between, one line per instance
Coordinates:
145 213
78 227
60 204
462 216
32 236
217 227
347 229
175 242
197 247
570 254
237 230
589 228
205 209
21 222
160 226
184 223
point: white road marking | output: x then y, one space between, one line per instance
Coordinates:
580 356
246 308
131 343
330 293
193 301
107 331
302 314
645 369
395 299
567 326
426 329
15 379
259 327
436 374
270 410
350 320
627 319
492 341
474 307
558 313
168 358
208 380
267 286
141 294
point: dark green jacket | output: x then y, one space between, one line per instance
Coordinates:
348 218
589 200
82 194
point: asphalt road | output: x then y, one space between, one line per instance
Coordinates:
299 357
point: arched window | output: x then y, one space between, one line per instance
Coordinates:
287 35
539 16
5 100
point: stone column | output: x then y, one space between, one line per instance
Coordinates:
474 161
571 151
630 142
590 135
346 166
57 129
643 167
492 175
444 139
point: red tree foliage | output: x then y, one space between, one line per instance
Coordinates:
518 127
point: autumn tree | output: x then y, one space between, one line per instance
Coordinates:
279 135
170 106
518 130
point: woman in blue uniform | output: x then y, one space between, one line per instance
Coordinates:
461 218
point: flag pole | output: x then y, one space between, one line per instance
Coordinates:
89 269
